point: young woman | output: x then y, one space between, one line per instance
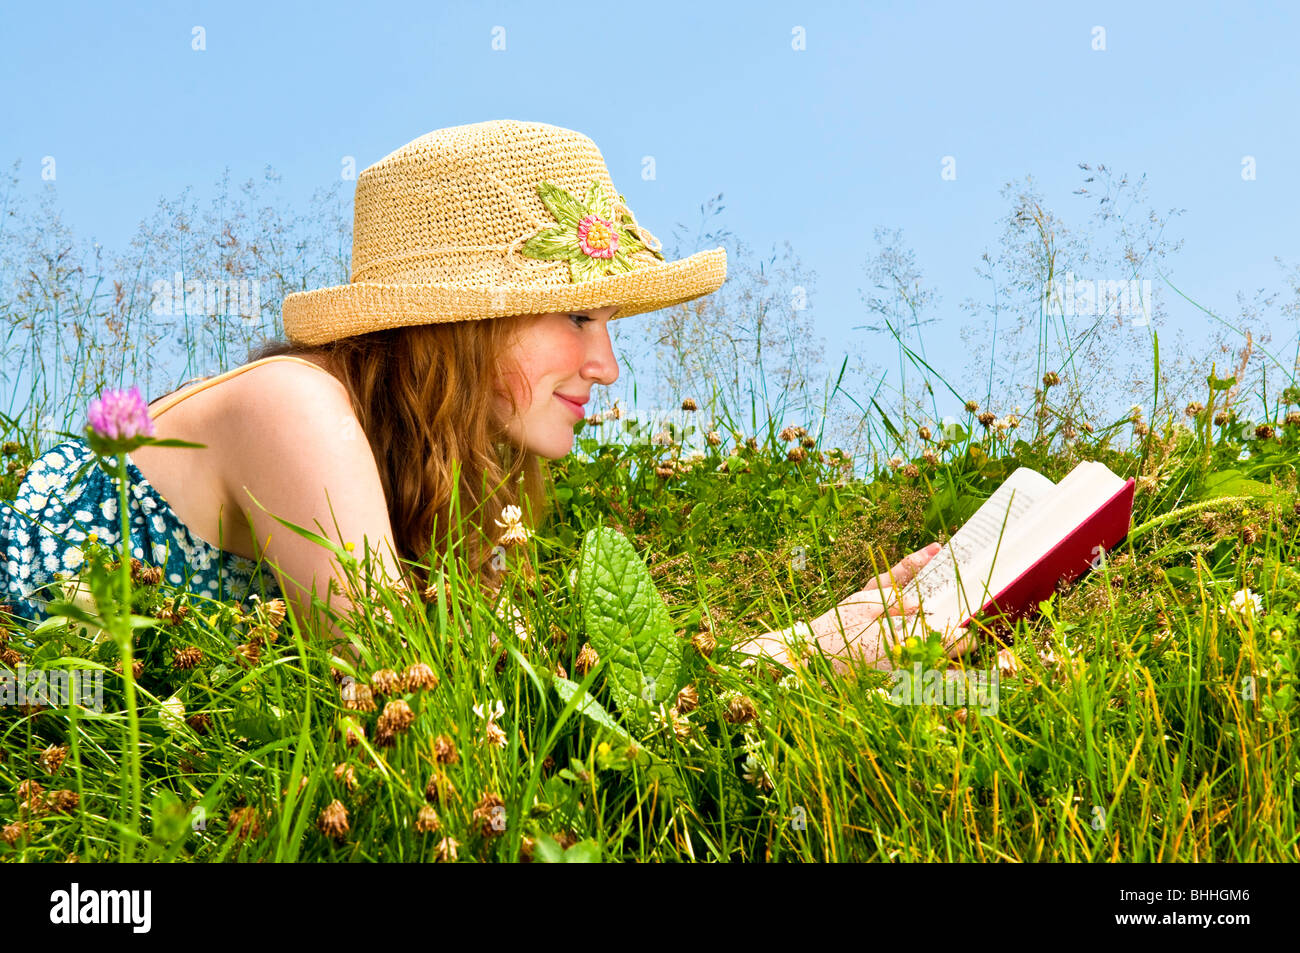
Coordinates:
488 260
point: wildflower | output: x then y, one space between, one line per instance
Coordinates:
911 471
419 675
971 406
986 419
895 462
1223 418
426 822
333 821
397 716
354 734
345 773
490 815
186 658
1293 418
662 439
1008 664
356 696
1265 432
52 758
740 709
29 793
508 612
63 802
386 682
1068 432
1194 409
587 660
1135 412
274 610
796 455
713 438
515 532
137 668
930 457
689 404
244 823
171 713
704 642
120 415
923 433
199 723
249 654
11 834
447 849
1050 379
1244 601
492 731
756 774
444 750
688 699
752 444
439 788
1141 429
787 434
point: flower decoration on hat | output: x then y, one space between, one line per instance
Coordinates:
594 240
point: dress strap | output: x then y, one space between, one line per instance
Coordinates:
189 389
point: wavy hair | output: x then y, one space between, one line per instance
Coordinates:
423 398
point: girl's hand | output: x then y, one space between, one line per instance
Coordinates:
885 587
856 630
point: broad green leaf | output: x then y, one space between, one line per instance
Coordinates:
588 706
1234 483
627 624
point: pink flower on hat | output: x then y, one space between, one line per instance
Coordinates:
597 237
593 240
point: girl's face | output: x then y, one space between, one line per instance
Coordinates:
560 355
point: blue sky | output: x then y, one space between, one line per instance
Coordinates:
815 146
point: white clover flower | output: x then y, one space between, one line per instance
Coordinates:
1244 601
172 714
492 713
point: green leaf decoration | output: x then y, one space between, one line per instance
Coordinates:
562 242
627 624
591 709
567 210
551 244
597 202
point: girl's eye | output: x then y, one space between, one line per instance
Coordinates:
579 317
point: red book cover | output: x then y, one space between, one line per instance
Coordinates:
1107 527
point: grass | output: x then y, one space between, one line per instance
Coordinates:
1148 713
1136 720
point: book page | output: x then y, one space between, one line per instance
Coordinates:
997 517
1050 518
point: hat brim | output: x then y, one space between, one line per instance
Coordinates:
326 314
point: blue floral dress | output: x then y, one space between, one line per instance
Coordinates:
41 529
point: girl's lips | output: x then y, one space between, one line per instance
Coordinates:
576 408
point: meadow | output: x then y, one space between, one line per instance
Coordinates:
1147 712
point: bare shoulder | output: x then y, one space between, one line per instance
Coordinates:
279 390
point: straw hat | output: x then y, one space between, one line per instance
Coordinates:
493 219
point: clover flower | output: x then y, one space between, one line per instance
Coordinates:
1244 601
120 415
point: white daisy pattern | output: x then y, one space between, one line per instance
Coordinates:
43 533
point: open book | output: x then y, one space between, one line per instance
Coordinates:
1028 536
